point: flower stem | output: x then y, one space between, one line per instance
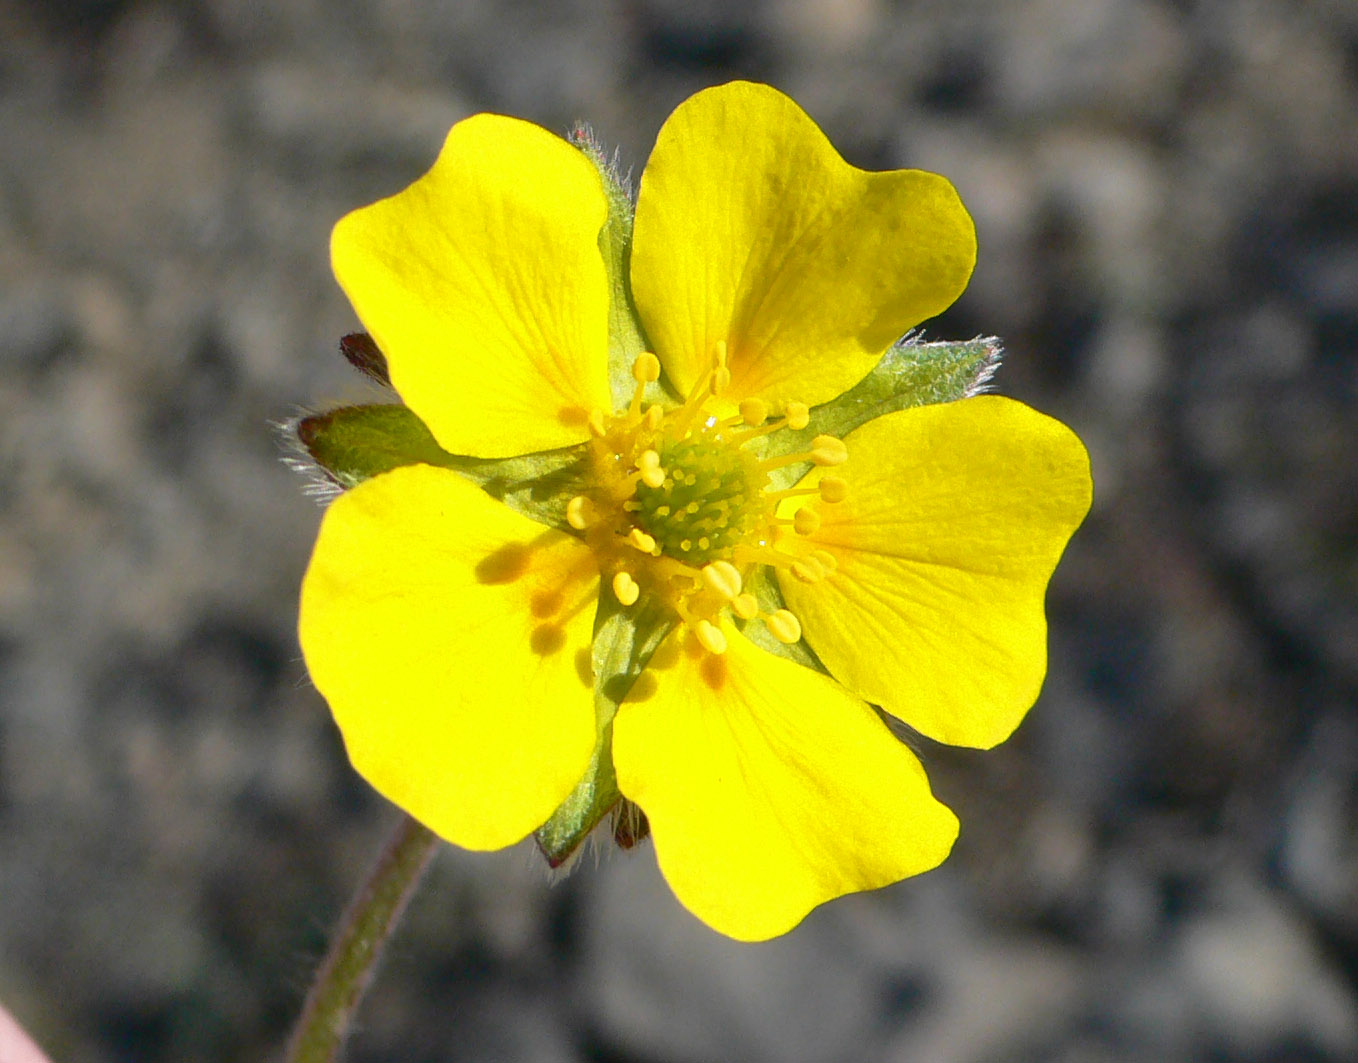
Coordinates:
358 942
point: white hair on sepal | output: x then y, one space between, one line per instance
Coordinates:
985 373
582 136
318 484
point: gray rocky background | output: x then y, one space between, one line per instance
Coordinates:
1162 865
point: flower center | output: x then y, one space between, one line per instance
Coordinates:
678 505
708 502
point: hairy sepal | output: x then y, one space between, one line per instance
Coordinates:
626 337
355 443
624 641
911 373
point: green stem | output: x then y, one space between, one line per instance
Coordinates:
358 942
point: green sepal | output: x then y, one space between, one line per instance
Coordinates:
915 373
626 336
911 373
625 637
593 798
355 443
624 640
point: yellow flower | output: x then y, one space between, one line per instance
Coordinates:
480 664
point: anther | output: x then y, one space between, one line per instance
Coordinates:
723 578
655 417
598 426
825 559
796 415
642 541
808 570
646 368
805 521
827 450
710 636
578 513
833 489
625 588
745 606
721 376
783 626
754 412
652 475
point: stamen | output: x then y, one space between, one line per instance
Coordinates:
833 488
825 450
678 487
651 474
695 396
682 419
710 636
642 541
645 370
745 606
579 513
805 521
796 416
791 492
723 578
783 626
716 379
626 588
744 554
825 559
677 569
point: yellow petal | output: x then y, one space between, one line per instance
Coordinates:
751 229
483 285
450 636
769 788
955 518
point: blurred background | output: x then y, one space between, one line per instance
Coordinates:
1162 865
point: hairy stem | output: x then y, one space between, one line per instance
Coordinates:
358 943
